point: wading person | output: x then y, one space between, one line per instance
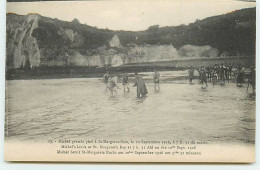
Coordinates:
230 71
141 87
209 73
112 85
204 76
125 82
191 74
239 77
156 77
226 72
251 79
222 74
106 77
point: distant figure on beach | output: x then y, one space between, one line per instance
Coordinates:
222 74
209 73
239 77
251 79
125 82
141 87
204 76
112 85
226 72
191 74
156 79
230 67
106 77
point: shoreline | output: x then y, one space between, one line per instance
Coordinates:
58 72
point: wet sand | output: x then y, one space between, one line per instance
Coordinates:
38 110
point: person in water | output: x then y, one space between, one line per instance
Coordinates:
156 77
125 82
141 87
106 77
204 76
252 79
239 76
191 74
112 85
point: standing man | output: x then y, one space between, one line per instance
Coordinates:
230 67
251 79
106 77
191 74
141 87
239 76
156 77
204 76
125 82
222 73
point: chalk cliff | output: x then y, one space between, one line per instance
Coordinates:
34 41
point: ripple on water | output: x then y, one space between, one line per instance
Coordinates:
74 108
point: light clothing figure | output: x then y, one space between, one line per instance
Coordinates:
112 85
156 79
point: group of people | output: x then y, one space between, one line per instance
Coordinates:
212 73
112 83
222 73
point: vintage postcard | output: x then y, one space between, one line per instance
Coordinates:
131 81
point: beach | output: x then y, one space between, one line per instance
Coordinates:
80 108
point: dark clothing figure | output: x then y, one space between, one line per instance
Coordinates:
125 82
222 74
156 77
125 79
239 77
191 74
252 79
226 72
106 78
230 67
204 77
141 87
209 73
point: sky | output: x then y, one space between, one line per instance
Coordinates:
130 15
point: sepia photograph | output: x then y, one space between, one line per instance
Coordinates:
131 81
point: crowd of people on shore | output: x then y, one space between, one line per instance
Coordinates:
222 73
218 73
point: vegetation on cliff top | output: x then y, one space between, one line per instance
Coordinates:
234 33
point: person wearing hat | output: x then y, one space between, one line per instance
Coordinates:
140 86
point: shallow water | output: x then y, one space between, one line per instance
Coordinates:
39 110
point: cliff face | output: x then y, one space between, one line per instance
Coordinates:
126 55
22 47
30 44
34 41
198 51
